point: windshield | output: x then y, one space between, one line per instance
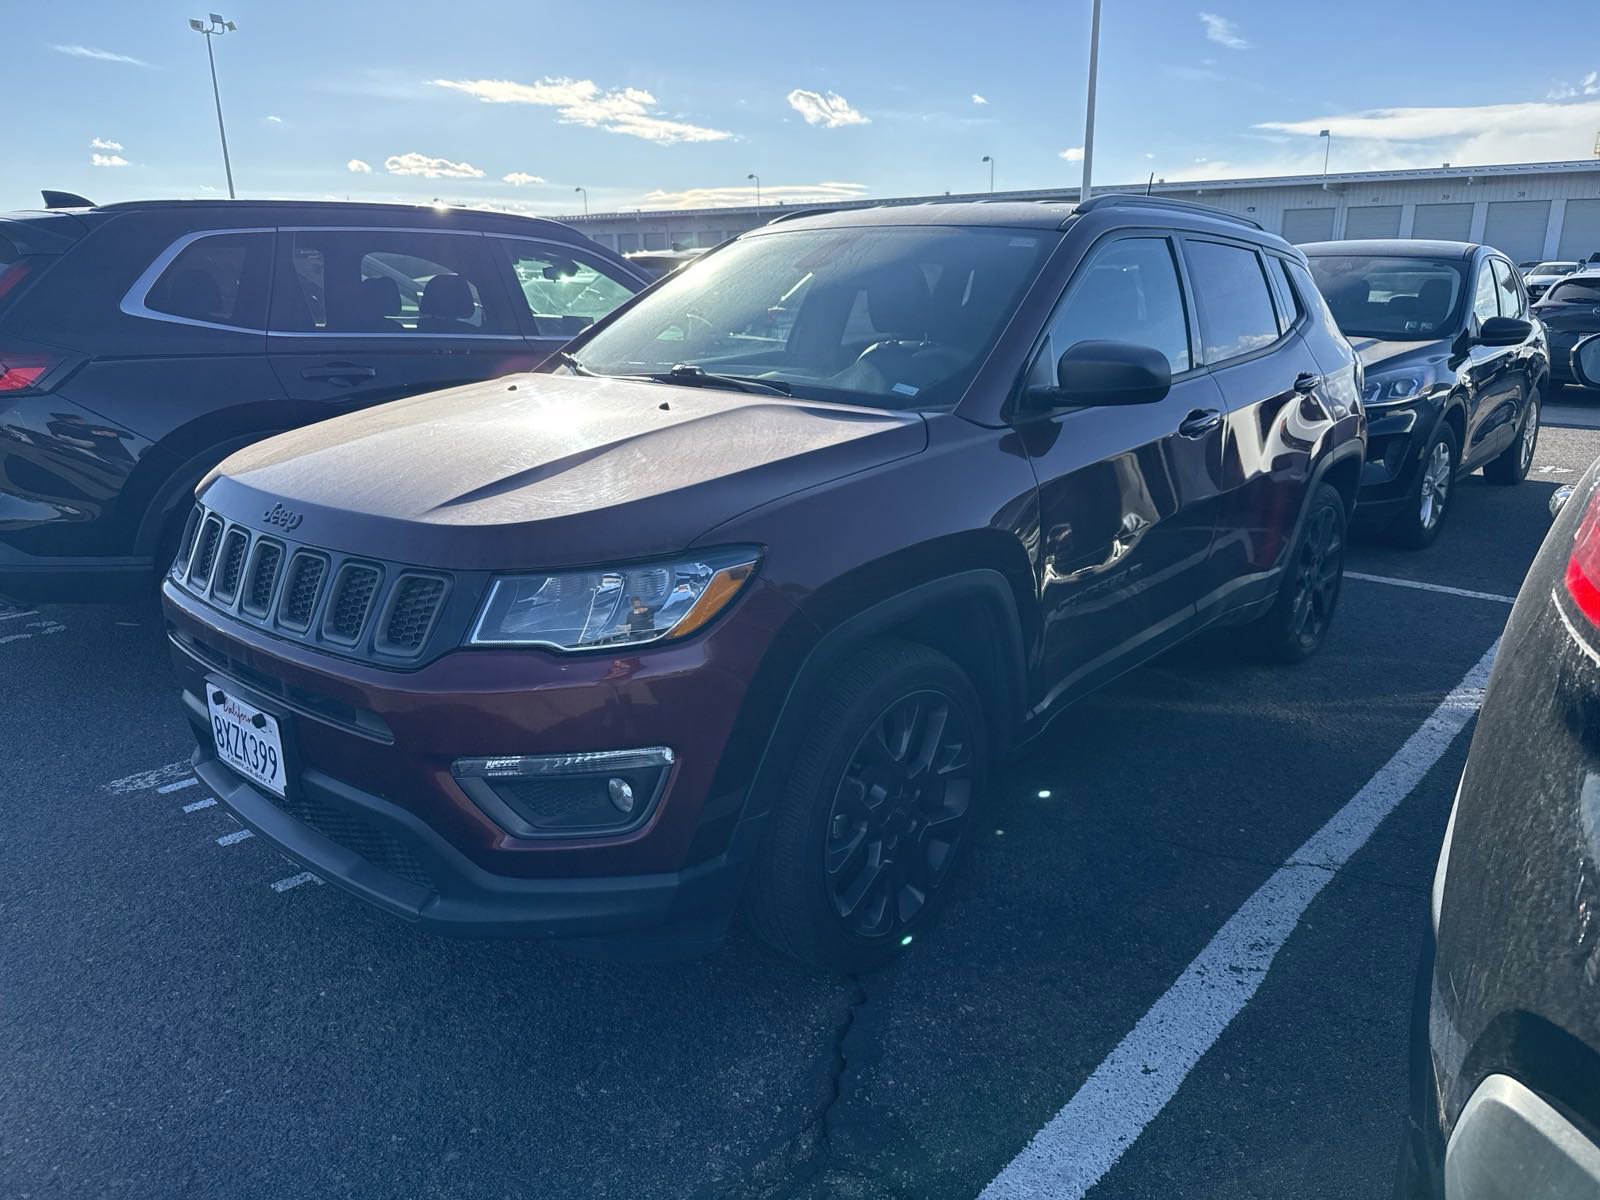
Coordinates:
1396 299
888 317
1575 291
1554 268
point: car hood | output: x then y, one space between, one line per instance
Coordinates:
547 470
1381 357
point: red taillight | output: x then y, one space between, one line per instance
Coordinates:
1583 568
26 370
11 276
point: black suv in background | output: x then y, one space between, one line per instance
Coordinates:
1456 369
142 343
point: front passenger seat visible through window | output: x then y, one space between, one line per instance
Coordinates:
447 305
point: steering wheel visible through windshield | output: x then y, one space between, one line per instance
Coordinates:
885 316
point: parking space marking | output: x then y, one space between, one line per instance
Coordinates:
238 835
43 627
198 805
294 881
12 616
1133 1084
1430 587
143 781
167 789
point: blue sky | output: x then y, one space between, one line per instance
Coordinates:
674 104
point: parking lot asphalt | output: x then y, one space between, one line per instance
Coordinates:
185 1014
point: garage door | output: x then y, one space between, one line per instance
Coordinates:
1516 228
1308 225
1443 222
1580 232
1380 221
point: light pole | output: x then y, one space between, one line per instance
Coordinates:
1327 138
1088 117
757 178
989 158
585 192
217 28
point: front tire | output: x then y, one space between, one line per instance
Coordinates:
1429 501
1296 625
1511 465
877 811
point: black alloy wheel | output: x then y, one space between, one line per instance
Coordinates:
1298 621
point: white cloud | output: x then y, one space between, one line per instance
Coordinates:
1223 31
1529 131
100 55
271 120
584 102
107 160
521 179
104 144
356 166
977 99
830 111
1073 154
717 197
429 168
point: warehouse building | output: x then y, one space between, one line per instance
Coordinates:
1527 210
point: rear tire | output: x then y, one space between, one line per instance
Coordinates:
1295 626
1512 464
878 809
1429 501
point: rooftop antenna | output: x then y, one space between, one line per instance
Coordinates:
1150 183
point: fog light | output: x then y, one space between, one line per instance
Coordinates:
621 795
567 795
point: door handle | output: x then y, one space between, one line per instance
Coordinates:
1306 382
339 372
1200 422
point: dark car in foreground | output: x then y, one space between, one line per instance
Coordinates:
724 607
1570 312
1505 1092
142 343
1455 372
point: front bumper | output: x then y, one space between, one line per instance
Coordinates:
1395 442
373 807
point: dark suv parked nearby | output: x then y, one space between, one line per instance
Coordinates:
1456 371
142 343
753 586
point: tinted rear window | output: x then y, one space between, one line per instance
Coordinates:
1236 310
1398 299
219 279
1574 291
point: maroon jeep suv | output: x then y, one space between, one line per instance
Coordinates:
735 604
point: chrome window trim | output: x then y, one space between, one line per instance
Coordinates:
133 303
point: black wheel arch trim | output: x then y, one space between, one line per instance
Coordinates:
176 492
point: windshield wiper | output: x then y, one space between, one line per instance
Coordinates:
696 376
571 360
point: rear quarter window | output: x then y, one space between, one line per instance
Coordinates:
217 279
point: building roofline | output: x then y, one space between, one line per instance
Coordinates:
1186 187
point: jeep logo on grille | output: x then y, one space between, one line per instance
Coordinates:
284 518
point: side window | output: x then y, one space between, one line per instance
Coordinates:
220 279
565 294
1485 300
1290 309
1127 292
1236 313
395 281
1512 303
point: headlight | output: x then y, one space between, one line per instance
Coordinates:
1392 389
584 610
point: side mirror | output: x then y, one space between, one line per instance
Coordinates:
1504 331
1586 362
1106 373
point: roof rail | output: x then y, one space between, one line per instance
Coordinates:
1127 199
800 212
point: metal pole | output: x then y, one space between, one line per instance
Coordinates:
585 192
1088 123
1327 149
222 131
757 178
991 176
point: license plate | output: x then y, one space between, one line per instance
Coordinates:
247 739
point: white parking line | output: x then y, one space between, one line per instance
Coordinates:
1126 1091
143 781
12 616
167 789
41 628
238 835
294 881
1430 587
198 805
